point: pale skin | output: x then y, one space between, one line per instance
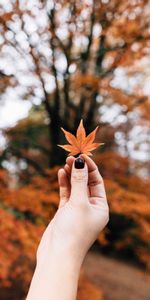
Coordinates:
82 214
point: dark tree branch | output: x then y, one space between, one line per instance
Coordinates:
51 16
85 55
91 112
66 76
100 55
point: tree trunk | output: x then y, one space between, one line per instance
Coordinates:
57 155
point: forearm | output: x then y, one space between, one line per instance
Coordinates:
55 278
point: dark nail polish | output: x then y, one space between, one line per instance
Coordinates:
79 163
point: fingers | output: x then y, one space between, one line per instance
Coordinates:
91 164
96 184
79 181
95 187
70 160
64 187
68 165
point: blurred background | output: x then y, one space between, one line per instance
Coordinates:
61 61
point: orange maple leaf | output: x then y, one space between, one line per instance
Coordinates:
80 143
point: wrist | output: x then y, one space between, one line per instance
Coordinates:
62 258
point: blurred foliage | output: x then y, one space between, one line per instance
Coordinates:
27 210
77 59
23 220
73 60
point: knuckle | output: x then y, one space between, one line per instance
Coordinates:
78 177
63 194
94 182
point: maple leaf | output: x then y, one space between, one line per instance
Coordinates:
80 143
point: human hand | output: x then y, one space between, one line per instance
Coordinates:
82 214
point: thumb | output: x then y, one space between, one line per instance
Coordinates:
79 180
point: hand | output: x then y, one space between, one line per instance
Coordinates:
82 214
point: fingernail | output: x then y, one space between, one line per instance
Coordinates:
79 163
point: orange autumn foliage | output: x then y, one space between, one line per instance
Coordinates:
106 49
24 214
19 239
32 206
88 291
